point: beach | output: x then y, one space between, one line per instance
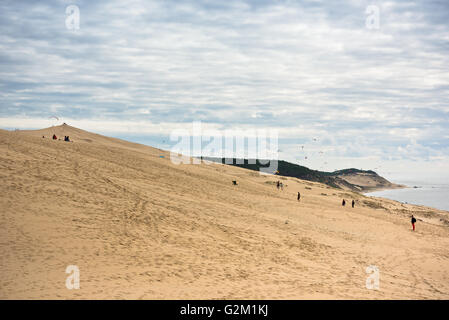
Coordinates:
419 193
141 227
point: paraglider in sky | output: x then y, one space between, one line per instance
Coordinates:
54 119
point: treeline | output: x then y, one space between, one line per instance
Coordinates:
289 169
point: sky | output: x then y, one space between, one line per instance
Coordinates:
361 84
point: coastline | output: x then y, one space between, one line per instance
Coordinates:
430 214
385 188
422 213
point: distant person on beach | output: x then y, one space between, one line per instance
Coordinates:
353 203
278 184
55 137
299 196
413 222
343 202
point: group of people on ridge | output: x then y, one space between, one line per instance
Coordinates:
343 203
66 138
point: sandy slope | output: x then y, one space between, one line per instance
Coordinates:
369 182
140 227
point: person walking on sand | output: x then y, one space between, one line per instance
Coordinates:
299 196
343 202
413 222
353 203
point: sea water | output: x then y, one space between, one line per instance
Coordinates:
430 195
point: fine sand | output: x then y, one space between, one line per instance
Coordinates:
140 227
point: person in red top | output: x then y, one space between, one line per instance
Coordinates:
413 222
54 137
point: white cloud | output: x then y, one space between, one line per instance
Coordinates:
309 69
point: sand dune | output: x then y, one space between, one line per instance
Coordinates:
369 182
140 227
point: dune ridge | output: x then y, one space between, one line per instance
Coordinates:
140 227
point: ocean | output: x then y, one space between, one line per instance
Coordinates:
430 195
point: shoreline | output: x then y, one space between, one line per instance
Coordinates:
404 203
394 187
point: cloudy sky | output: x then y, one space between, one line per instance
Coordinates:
354 90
